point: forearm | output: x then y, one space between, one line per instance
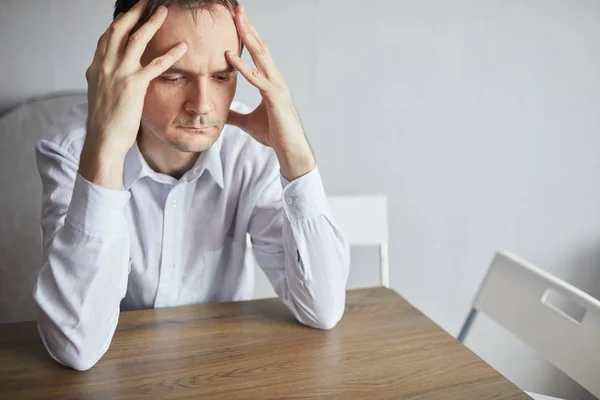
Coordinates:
295 160
84 277
101 165
316 274
317 255
77 316
310 270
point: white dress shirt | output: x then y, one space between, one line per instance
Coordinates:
163 242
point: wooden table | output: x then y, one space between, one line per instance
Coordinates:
382 349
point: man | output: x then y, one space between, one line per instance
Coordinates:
151 188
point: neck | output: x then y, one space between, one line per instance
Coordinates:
163 158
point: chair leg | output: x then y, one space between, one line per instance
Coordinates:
467 325
385 269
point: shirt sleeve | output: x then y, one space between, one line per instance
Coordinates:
301 250
85 261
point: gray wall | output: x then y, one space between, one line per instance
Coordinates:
479 120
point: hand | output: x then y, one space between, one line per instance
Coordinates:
275 122
117 85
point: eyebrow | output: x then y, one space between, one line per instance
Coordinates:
180 71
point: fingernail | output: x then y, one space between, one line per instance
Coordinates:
161 9
182 45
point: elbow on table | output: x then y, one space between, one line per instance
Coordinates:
79 362
328 322
325 318
78 358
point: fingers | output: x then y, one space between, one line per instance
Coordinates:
137 42
100 49
252 75
119 30
102 42
100 53
256 46
159 65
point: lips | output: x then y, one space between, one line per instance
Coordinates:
196 128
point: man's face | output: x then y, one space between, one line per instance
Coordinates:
188 105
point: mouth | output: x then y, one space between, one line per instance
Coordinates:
196 128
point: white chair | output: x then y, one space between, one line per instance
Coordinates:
21 198
557 320
363 221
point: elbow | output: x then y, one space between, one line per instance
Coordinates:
324 321
329 306
328 318
69 340
65 352
68 347
79 362
328 321
325 317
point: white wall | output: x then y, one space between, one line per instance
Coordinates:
47 45
480 121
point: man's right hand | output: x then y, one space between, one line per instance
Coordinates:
117 85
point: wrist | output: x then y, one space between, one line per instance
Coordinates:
296 162
102 165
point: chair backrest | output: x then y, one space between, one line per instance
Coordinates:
21 199
560 322
363 221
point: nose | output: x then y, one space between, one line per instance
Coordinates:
199 100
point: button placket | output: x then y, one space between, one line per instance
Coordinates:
168 267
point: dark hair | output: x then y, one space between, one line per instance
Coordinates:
122 6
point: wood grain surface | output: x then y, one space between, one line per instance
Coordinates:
382 349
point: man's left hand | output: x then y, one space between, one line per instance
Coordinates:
275 122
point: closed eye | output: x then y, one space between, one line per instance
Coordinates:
173 79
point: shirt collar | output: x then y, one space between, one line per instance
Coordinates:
209 160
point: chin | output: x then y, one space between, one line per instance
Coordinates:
193 142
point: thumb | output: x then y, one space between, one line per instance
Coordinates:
237 119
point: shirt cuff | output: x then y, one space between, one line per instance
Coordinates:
97 210
304 197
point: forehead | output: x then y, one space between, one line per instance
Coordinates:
208 33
